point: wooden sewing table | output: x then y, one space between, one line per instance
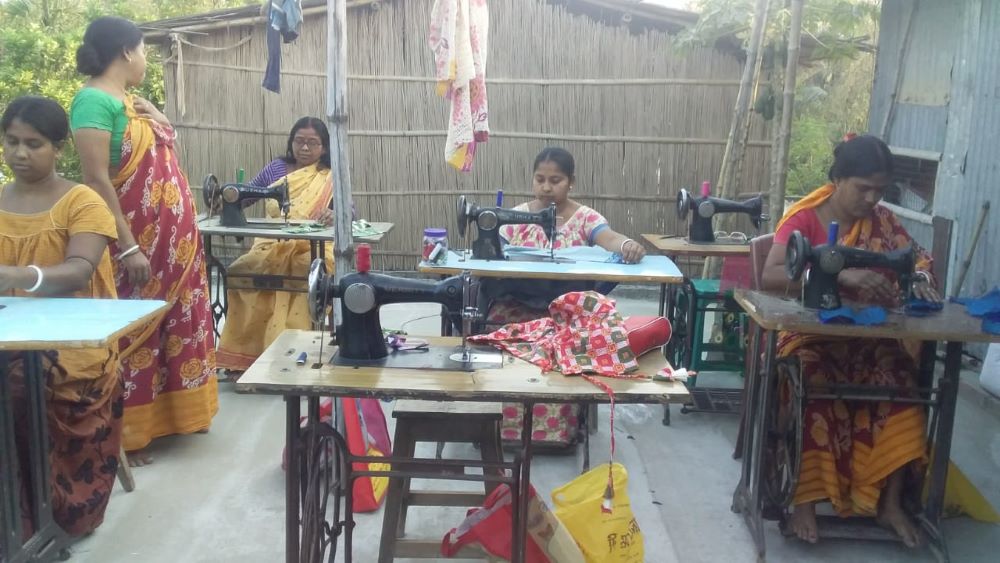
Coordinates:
705 399
266 228
275 372
30 327
773 313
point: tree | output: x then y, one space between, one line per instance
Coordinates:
834 82
38 42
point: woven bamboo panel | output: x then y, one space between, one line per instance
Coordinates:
636 143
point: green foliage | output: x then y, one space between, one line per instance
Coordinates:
38 42
834 79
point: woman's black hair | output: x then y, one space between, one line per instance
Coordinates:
562 158
44 114
316 124
861 157
106 39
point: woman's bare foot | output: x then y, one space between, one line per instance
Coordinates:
890 510
892 516
803 522
139 458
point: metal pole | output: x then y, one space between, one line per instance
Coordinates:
336 116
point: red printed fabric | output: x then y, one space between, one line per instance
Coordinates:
585 334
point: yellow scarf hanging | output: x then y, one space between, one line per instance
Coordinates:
310 190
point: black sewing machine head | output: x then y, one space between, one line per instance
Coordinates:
359 337
230 198
820 289
703 208
488 221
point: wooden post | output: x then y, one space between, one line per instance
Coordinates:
336 117
777 201
732 157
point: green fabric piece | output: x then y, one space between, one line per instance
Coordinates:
362 228
96 109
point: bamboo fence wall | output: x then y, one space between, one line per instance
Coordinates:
641 118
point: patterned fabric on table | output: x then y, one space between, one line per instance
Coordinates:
585 334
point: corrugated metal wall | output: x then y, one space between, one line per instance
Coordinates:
954 44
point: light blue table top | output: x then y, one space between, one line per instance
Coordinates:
28 323
574 263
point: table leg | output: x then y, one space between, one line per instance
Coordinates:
217 289
745 438
948 398
520 524
293 447
663 300
10 492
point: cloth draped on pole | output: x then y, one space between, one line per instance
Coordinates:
459 37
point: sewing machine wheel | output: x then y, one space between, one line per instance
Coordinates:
463 215
796 254
210 190
683 203
317 299
783 435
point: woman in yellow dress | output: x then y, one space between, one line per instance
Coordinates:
255 318
54 237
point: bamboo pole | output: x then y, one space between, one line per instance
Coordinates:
787 109
336 116
739 128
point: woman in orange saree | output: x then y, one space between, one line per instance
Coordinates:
127 151
854 454
54 237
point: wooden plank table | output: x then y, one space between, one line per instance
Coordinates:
773 313
276 372
677 245
32 326
266 228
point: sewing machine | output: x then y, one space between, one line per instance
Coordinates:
360 337
231 197
488 221
820 290
705 207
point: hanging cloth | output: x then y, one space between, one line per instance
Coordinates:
459 37
284 20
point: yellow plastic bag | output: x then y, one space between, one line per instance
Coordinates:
602 536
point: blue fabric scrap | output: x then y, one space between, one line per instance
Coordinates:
986 306
846 315
921 307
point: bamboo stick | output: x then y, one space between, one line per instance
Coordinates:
336 116
787 108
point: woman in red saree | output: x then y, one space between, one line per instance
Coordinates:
127 151
855 455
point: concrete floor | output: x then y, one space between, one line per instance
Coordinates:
219 497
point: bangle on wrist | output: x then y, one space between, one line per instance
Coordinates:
922 275
624 242
125 253
38 282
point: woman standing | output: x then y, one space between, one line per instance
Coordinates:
54 237
127 152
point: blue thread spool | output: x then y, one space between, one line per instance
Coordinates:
500 198
832 233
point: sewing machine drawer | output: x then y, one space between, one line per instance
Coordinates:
265 282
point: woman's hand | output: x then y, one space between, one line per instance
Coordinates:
923 290
138 269
632 252
8 278
145 108
869 285
326 217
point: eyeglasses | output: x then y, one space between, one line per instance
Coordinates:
311 143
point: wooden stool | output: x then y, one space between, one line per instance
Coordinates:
431 421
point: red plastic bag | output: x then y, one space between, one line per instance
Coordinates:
490 527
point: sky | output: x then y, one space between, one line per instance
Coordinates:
679 4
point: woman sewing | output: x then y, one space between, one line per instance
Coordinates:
54 237
126 148
553 179
255 318
855 455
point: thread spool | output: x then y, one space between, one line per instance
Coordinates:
706 188
364 258
833 233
